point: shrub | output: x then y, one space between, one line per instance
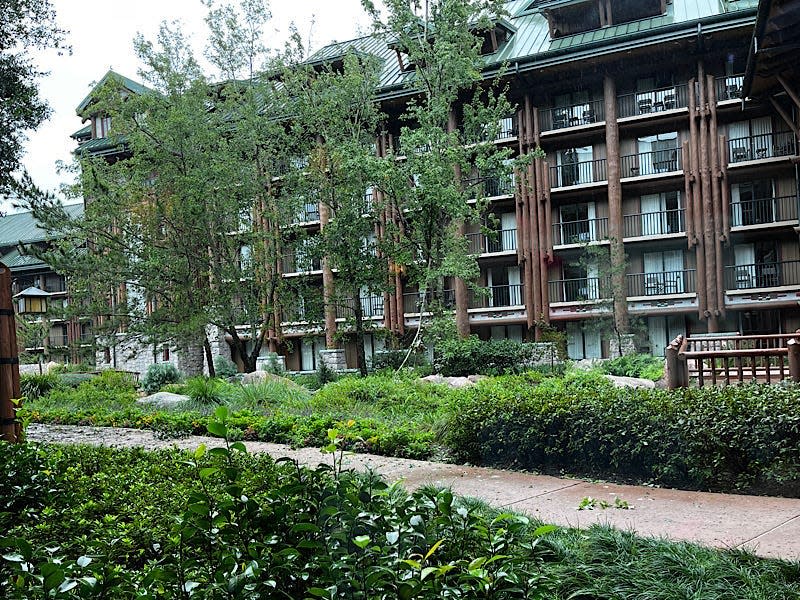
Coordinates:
325 374
392 359
225 367
635 365
207 391
472 356
32 387
158 375
273 365
741 438
74 379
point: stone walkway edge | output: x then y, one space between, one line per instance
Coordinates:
767 526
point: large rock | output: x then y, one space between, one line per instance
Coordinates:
262 376
162 400
454 382
631 382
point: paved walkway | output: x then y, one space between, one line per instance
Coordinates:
769 527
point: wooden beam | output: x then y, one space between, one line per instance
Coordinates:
789 90
779 109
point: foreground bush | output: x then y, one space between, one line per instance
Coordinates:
222 524
472 356
736 438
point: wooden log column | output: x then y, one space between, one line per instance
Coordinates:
613 172
695 210
544 250
716 197
461 291
709 241
10 430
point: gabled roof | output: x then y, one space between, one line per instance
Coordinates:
16 261
129 84
23 228
33 292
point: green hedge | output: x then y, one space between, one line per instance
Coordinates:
736 438
473 356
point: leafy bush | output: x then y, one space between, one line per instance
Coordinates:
635 365
392 359
74 379
742 438
472 356
224 367
325 374
158 375
32 387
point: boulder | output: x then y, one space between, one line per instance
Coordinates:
162 400
631 382
454 382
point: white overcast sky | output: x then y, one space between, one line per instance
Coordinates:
101 34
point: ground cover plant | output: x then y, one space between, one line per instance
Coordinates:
85 522
635 365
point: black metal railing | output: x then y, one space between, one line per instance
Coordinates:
412 301
762 275
299 263
574 115
498 296
507 129
662 284
504 240
491 186
653 101
763 210
55 286
307 214
579 232
57 340
654 223
651 163
371 306
583 289
578 173
729 88
757 147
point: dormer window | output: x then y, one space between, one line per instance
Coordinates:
100 126
569 17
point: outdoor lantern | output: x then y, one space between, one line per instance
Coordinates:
32 301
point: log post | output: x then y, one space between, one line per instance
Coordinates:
461 291
10 429
794 357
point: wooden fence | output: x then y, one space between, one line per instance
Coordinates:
732 359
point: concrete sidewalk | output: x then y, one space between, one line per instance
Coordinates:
770 527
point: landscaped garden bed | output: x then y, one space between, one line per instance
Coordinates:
85 522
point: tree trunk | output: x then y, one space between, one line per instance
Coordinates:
358 316
209 358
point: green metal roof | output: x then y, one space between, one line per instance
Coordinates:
23 228
532 44
129 84
21 262
82 132
101 146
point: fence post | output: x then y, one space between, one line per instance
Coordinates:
10 430
673 367
794 357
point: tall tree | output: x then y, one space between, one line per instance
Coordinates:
24 25
336 105
452 117
185 222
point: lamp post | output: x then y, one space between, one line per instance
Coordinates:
10 429
32 303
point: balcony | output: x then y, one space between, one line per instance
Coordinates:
580 232
578 173
412 301
57 341
499 296
762 275
760 147
299 263
764 211
665 283
55 286
575 115
507 129
504 240
371 306
490 187
729 88
584 289
308 214
654 223
653 101
651 163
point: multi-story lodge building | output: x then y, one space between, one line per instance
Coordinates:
651 151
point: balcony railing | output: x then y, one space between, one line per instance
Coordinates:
504 240
507 129
292 263
303 314
578 173
654 223
412 301
662 284
583 289
55 286
561 117
763 211
308 214
729 88
651 163
489 187
757 147
371 306
57 340
580 232
762 275
499 296
653 101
